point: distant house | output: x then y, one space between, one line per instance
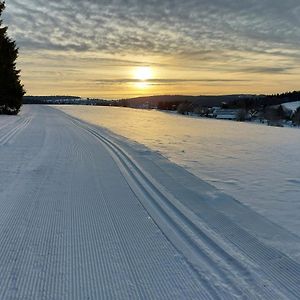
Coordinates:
288 108
225 114
211 111
291 107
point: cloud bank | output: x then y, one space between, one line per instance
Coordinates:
254 36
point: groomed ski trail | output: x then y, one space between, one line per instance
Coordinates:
80 218
216 265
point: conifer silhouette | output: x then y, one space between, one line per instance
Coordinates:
11 89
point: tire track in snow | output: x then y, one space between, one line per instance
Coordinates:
284 272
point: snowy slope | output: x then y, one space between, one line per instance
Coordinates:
257 165
291 105
87 215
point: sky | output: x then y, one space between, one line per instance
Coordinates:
99 48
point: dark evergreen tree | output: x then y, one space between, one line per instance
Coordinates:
11 89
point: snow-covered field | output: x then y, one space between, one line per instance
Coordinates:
87 214
257 165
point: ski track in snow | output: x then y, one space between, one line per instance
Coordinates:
14 129
256 164
83 215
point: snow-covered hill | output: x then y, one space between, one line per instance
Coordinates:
258 165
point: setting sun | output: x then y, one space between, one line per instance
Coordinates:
143 73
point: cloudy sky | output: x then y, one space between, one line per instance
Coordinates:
95 48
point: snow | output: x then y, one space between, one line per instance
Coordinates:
292 106
88 214
257 165
66 231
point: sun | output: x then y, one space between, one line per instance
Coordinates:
143 73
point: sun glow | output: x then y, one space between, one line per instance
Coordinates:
143 73
142 84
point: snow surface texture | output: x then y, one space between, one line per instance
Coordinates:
71 227
257 165
85 214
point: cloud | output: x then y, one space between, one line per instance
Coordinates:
152 26
267 70
164 81
207 38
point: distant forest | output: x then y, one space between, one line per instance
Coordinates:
172 102
231 102
265 108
